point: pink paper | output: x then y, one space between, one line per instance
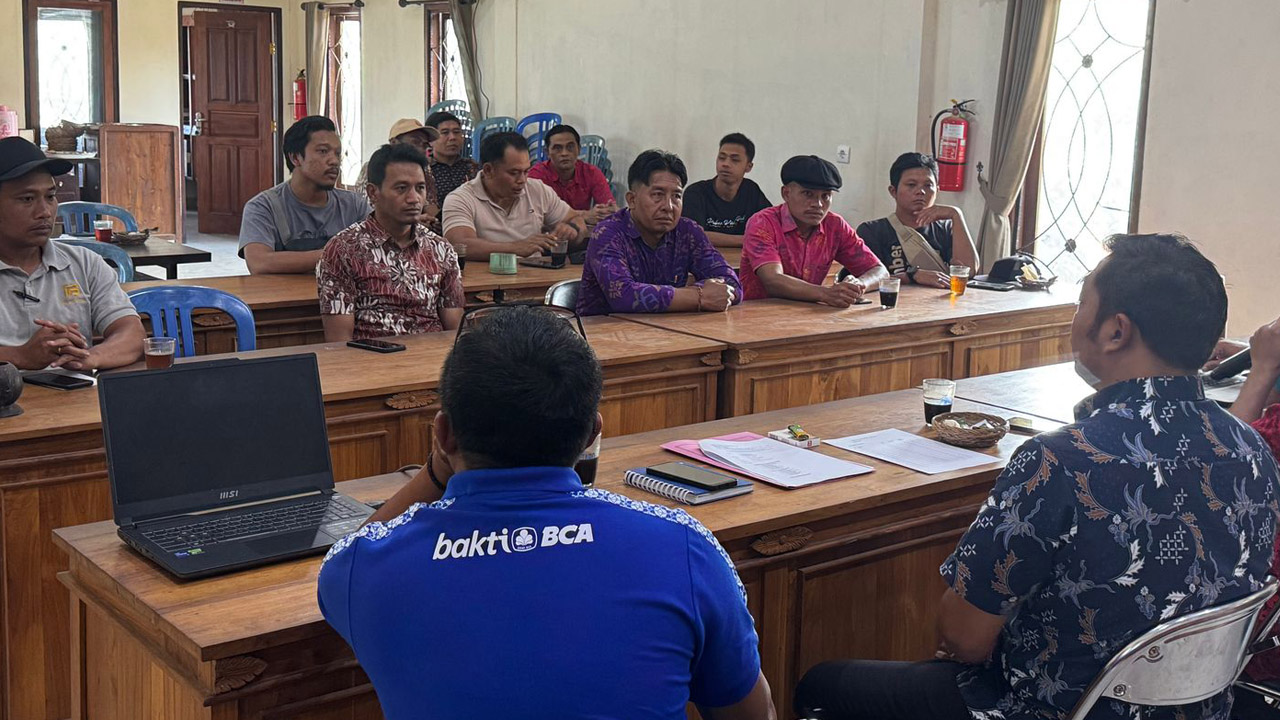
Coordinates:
690 449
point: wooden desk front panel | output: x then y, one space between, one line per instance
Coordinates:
821 369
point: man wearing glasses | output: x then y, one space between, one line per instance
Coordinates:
389 274
492 600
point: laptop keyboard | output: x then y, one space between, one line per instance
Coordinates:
246 524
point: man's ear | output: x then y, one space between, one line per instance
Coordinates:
749 166
893 192
1117 333
442 434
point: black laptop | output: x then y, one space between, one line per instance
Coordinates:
221 465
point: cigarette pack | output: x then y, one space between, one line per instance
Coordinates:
785 436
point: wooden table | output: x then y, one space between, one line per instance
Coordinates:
286 308
785 354
166 252
53 471
1051 391
866 585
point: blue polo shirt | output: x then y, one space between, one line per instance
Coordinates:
520 594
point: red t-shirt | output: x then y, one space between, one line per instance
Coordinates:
588 184
772 237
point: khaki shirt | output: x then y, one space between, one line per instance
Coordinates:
537 209
73 285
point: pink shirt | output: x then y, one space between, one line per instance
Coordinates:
772 237
587 184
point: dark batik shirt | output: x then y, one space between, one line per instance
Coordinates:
450 177
624 275
1155 503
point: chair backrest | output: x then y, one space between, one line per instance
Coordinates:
170 308
596 155
1185 660
112 254
619 193
592 141
563 294
77 217
534 127
501 123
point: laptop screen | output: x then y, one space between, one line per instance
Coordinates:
204 435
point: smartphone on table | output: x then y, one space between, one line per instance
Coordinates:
692 475
378 346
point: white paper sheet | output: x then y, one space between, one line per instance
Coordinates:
912 451
780 463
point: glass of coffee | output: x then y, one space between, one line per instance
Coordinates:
158 352
959 279
559 253
587 461
939 393
889 292
102 230
461 249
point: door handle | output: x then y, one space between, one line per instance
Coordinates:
198 127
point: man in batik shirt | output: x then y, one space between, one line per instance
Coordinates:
1154 504
388 274
640 259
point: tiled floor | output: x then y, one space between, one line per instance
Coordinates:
222 247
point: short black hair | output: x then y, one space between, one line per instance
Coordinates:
495 145
299 134
393 153
521 389
651 161
563 129
737 138
440 116
911 161
1171 292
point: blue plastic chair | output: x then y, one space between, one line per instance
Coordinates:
487 127
77 217
170 307
619 193
539 124
594 153
112 254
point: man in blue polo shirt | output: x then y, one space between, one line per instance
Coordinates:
494 585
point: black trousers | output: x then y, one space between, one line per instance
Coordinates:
878 690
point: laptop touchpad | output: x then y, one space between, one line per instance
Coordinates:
299 540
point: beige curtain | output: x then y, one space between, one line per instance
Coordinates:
1029 30
316 18
464 26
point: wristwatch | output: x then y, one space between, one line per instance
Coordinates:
911 272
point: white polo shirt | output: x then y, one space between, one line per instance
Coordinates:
537 209
70 285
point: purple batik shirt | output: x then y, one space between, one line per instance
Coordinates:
624 275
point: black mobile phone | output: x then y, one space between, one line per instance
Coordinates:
1027 426
378 346
57 381
692 475
862 301
989 285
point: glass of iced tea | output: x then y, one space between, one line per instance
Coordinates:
587 461
158 352
461 249
102 230
959 279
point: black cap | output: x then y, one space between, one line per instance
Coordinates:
812 172
19 157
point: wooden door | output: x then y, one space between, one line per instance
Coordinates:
232 97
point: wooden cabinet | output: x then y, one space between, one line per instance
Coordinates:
142 172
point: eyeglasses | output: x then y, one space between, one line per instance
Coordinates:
475 316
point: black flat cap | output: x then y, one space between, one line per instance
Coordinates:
812 172
19 157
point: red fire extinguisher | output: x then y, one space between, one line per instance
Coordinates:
300 96
954 138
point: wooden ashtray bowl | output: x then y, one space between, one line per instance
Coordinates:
956 428
130 238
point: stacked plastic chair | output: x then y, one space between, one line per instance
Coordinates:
488 127
534 128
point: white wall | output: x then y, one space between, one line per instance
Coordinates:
798 78
1210 154
393 62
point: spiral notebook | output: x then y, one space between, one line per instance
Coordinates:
680 492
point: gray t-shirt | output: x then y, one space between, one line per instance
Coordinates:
310 227
70 285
